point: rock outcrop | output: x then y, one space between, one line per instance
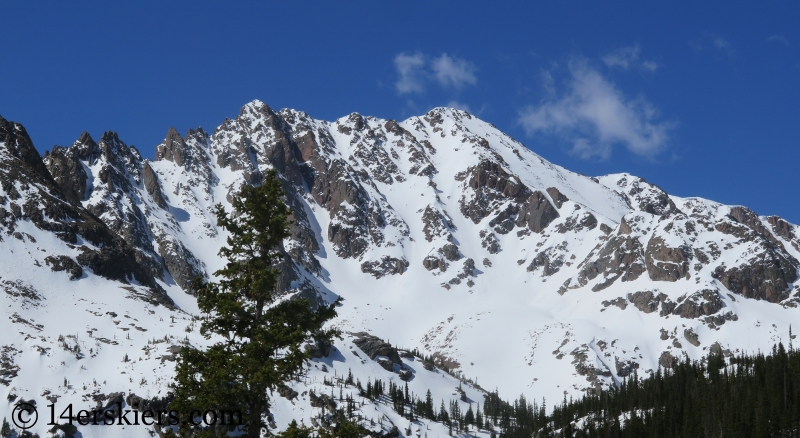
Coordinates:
374 346
48 208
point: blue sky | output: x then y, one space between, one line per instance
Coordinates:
701 98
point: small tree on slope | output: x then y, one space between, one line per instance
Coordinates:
262 337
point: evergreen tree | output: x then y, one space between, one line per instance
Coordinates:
443 416
469 417
429 405
262 338
750 396
295 431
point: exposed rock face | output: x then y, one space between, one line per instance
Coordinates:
646 301
320 347
152 186
716 348
65 263
622 257
770 269
667 360
468 269
491 185
781 228
321 401
437 224
665 263
549 267
114 196
374 347
762 278
386 364
432 262
381 193
64 164
182 265
45 205
619 302
301 149
490 242
702 303
578 223
558 198
172 149
536 213
386 266
450 252
691 337
747 217
357 221
234 148
644 196
287 392
584 366
120 170
626 367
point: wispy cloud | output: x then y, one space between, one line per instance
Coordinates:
410 73
714 43
779 39
722 44
594 116
548 82
415 70
628 57
459 105
453 72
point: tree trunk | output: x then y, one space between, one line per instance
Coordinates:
254 428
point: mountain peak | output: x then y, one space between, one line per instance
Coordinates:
173 148
86 139
440 232
255 107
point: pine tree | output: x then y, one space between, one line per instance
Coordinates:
5 431
443 416
295 431
429 405
262 338
469 417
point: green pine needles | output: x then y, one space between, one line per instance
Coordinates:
261 334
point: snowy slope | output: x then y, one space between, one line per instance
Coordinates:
439 232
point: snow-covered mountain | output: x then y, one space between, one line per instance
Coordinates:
440 233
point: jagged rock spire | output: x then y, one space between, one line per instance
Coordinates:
172 149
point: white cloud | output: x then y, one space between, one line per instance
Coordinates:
722 44
780 39
414 71
459 105
628 57
649 65
410 73
594 116
453 72
548 82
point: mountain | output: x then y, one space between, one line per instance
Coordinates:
440 232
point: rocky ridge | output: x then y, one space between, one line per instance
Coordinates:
394 215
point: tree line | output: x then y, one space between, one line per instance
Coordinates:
748 396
